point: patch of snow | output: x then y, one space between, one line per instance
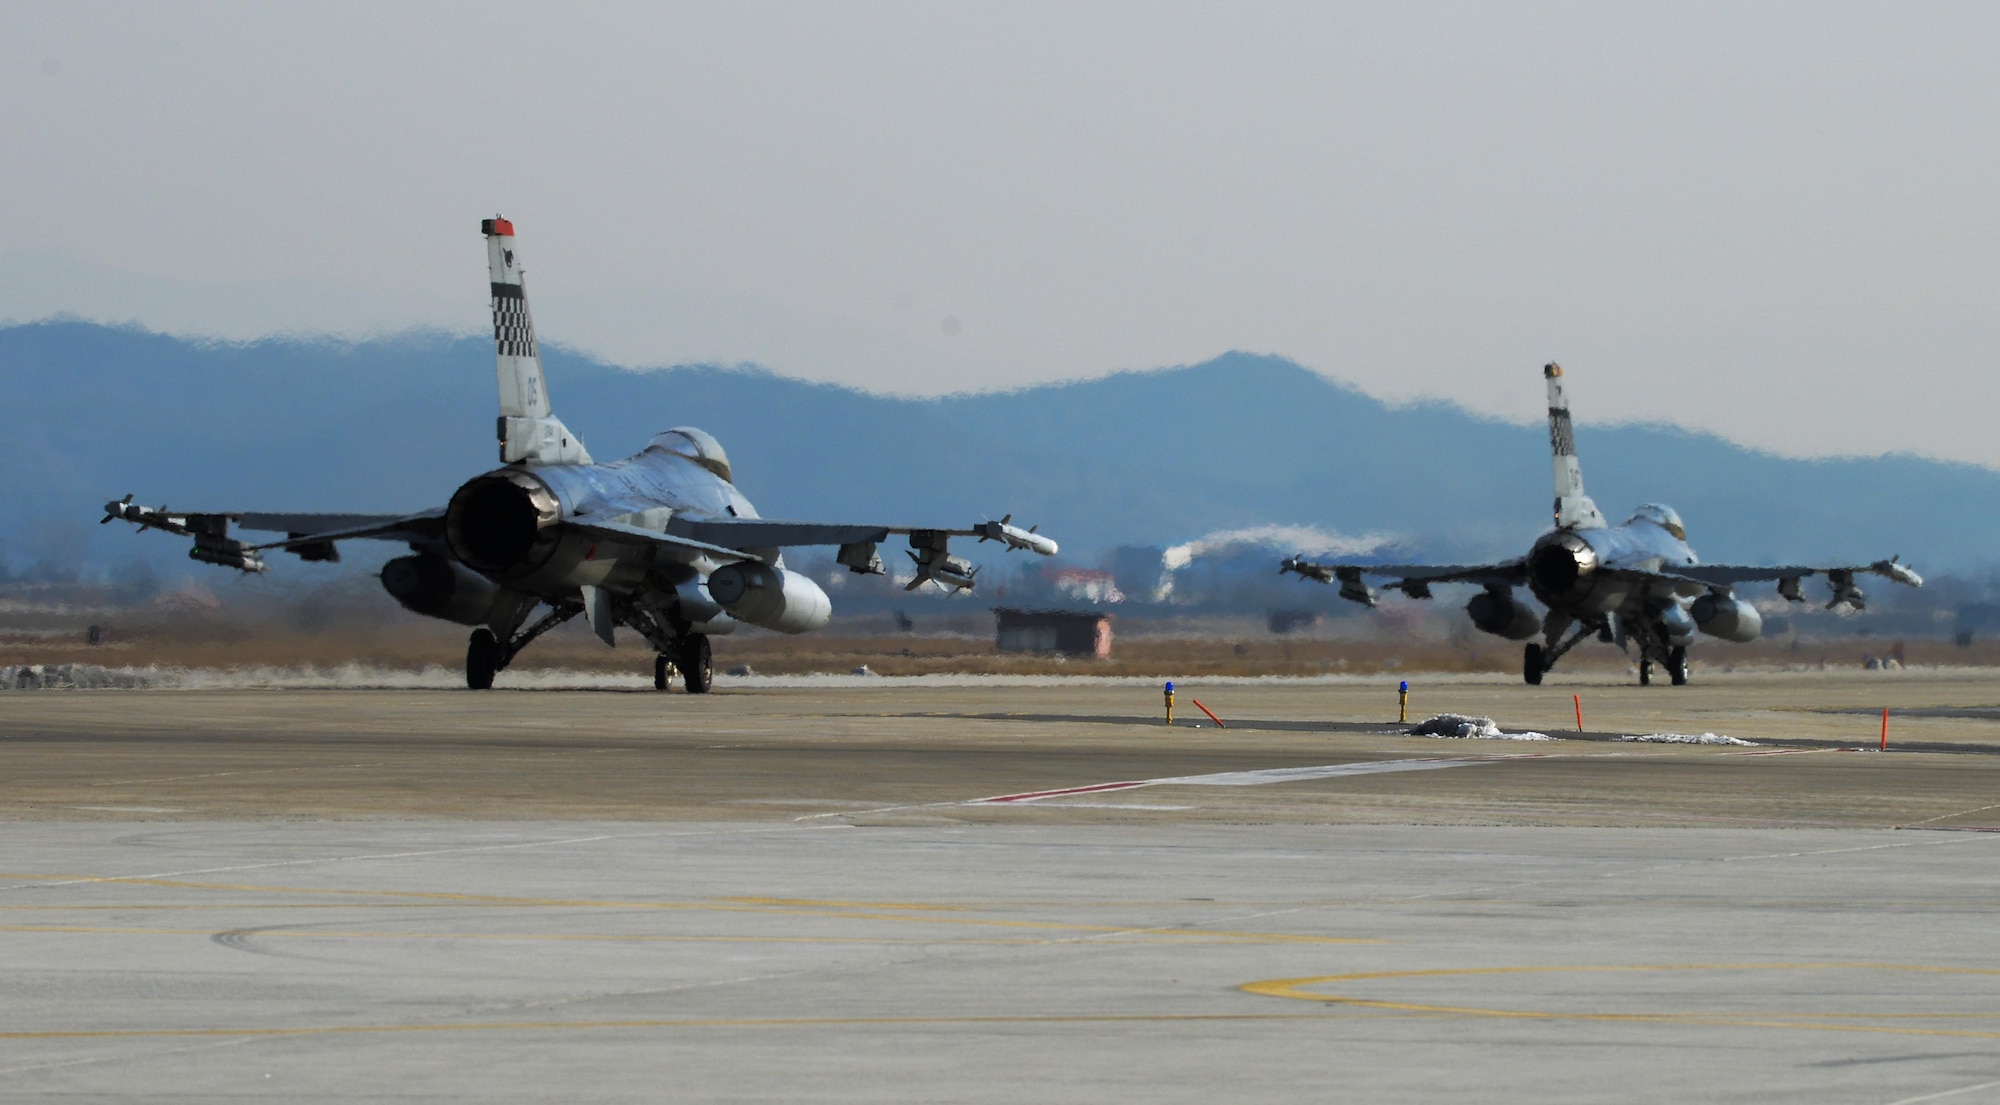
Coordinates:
1688 738
1464 727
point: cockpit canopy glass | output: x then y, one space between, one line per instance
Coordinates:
697 446
1662 516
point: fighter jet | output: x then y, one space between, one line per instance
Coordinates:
660 542
1636 585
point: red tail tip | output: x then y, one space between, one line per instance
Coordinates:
496 228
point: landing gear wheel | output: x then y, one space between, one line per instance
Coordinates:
1677 666
663 672
482 659
1645 673
697 668
1531 665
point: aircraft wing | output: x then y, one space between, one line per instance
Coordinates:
1787 577
857 541
311 536
754 533
1413 580
767 533
618 531
311 529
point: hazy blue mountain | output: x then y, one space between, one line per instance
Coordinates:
1151 458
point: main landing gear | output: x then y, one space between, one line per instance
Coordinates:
487 655
482 659
1676 665
1538 659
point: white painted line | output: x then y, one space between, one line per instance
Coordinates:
1119 806
1264 777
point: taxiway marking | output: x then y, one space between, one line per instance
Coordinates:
1259 778
688 1022
1297 989
911 913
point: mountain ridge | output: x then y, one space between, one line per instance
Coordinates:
1134 457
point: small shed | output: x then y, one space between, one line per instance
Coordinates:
1069 632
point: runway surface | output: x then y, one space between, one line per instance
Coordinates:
916 893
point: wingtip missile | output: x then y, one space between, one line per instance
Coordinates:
1351 586
212 543
1901 573
1014 537
1305 569
145 517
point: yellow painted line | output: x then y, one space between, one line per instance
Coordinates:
1298 989
690 1022
722 905
796 902
1132 936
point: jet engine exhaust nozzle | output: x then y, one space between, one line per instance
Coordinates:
496 522
1561 565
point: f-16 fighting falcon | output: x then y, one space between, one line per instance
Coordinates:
661 542
1634 585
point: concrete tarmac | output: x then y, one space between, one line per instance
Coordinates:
917 893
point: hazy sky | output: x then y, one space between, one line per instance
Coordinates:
1774 221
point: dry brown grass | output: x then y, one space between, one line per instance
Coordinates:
395 640
352 623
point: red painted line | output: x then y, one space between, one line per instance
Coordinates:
1209 712
1066 790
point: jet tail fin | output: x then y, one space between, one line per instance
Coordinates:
529 431
1574 510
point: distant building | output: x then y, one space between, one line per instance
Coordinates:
1291 621
1069 632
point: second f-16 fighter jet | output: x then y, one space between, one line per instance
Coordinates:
1636 585
661 542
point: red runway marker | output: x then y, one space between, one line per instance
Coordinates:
1578 699
1885 728
1209 712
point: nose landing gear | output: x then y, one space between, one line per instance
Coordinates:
691 658
697 666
